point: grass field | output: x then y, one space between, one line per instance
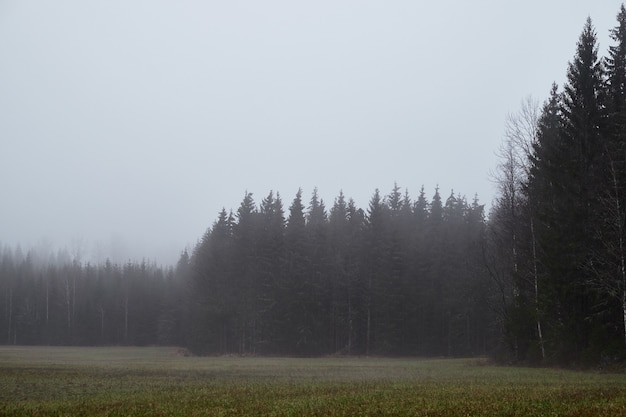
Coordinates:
50 381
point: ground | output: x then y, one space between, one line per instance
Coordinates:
120 381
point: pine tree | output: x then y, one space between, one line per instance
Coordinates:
292 293
608 265
394 199
213 310
269 266
563 184
376 258
245 236
420 210
358 297
615 65
399 234
341 263
315 333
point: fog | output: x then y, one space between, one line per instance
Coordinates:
125 127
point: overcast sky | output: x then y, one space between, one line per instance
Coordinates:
126 126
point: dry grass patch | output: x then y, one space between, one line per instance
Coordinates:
157 381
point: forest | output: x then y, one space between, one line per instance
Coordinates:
540 279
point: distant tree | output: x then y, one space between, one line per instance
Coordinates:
315 330
347 281
215 312
377 257
270 259
293 291
341 271
420 210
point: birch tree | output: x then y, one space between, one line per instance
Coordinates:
512 225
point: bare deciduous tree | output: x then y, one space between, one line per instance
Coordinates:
513 205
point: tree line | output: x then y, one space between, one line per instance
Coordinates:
57 300
401 277
542 280
556 233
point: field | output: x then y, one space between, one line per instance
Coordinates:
49 381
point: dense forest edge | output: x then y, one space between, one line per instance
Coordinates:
541 280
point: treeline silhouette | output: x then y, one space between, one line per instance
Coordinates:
60 301
543 281
402 277
557 242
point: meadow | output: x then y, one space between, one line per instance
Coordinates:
120 381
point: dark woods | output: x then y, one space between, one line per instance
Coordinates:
402 277
60 301
556 239
543 281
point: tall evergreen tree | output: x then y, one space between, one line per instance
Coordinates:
213 310
341 264
420 209
608 265
615 65
292 293
245 235
269 261
376 258
563 186
357 288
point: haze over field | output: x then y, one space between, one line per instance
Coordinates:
125 127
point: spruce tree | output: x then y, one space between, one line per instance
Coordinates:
608 265
245 236
293 292
564 181
376 264
269 267
341 271
213 295
615 65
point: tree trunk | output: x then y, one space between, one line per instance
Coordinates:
68 305
367 334
74 297
349 324
368 330
47 303
101 324
126 319
536 282
10 303
620 234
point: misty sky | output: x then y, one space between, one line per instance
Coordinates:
126 126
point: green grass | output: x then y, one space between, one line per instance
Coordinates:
49 381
